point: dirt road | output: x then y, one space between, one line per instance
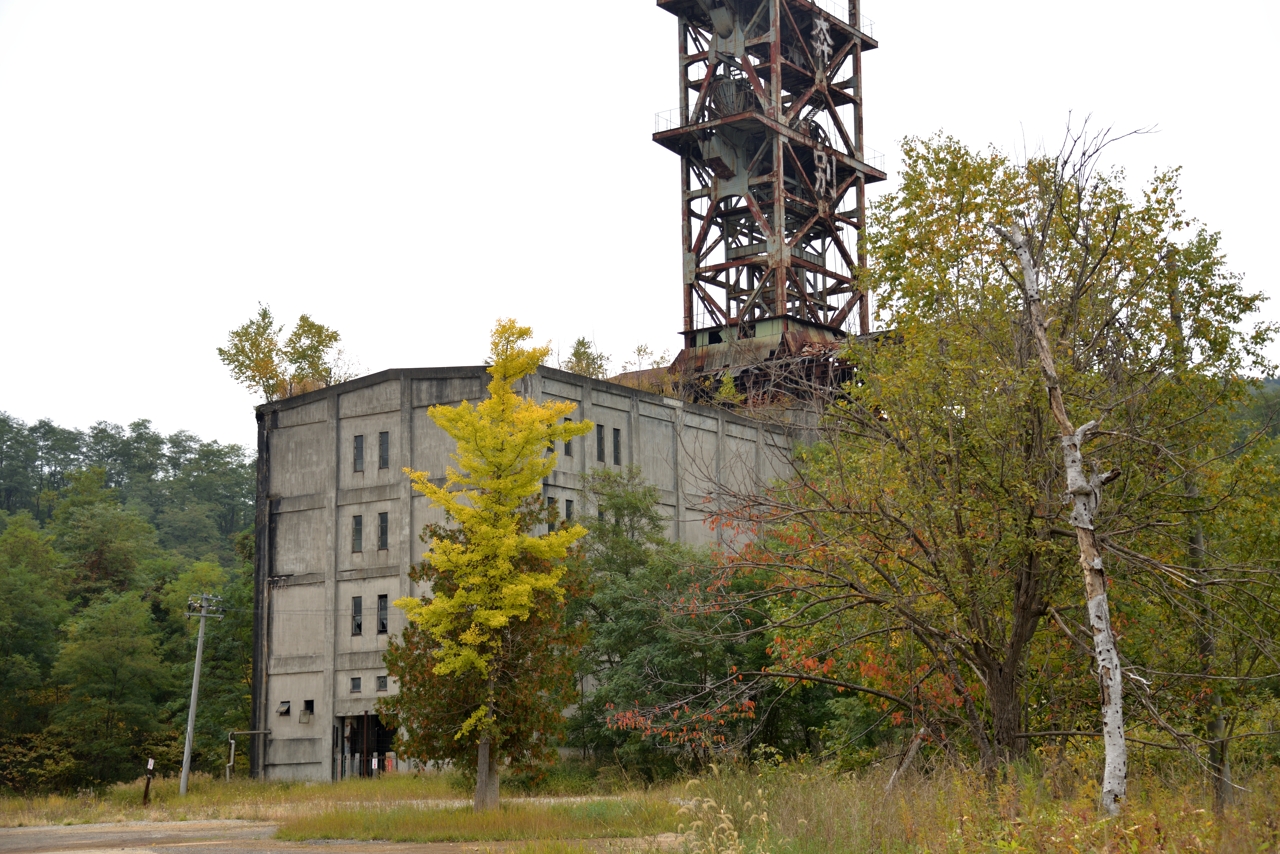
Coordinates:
225 837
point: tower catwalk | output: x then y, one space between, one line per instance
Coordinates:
773 178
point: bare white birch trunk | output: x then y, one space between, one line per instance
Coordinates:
1085 493
906 761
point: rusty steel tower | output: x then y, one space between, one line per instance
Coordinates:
773 178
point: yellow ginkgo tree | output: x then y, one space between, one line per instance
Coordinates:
492 572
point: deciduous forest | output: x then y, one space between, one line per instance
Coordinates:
104 534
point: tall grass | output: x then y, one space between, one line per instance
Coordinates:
957 810
631 817
210 798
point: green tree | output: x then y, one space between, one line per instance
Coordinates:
497 571
650 641
32 607
103 542
922 556
586 360
308 359
112 673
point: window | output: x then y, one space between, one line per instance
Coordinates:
309 706
357 615
359 454
382 614
568 509
599 443
382 683
384 450
382 532
357 533
283 708
355 684
568 443
617 446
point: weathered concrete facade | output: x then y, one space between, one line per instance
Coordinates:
309 643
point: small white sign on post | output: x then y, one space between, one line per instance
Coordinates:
151 764
375 763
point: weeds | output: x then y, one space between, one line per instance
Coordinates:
588 820
714 829
954 811
210 798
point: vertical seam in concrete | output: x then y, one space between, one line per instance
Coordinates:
406 492
677 427
718 503
330 680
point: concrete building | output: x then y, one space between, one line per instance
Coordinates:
338 527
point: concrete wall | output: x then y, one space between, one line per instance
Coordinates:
309 492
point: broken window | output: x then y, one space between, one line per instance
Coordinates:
359 454
357 615
617 446
384 450
382 615
599 443
283 708
568 509
382 683
382 531
357 533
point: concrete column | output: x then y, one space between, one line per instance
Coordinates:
325 713
409 538
677 427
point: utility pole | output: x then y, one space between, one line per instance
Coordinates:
208 608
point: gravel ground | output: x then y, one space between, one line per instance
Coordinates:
237 837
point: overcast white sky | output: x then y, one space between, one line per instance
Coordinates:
409 170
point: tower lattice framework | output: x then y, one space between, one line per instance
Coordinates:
773 174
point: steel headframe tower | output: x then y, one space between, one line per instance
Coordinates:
773 174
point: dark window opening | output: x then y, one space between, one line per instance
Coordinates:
357 533
357 615
617 446
599 443
568 443
309 706
568 509
382 531
359 453
355 684
283 708
382 683
382 615
384 450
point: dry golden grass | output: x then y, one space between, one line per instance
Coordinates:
954 811
810 811
595 819
209 798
